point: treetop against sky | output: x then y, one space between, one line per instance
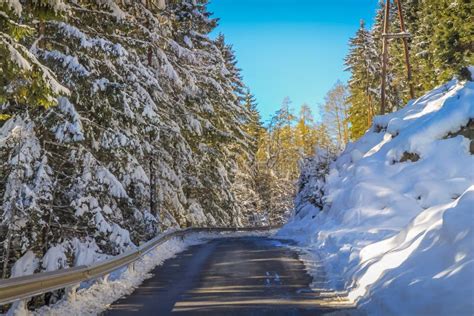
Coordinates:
290 48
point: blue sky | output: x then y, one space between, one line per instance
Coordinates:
290 48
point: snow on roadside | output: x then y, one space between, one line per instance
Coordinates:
396 229
95 298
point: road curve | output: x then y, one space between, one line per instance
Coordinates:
228 276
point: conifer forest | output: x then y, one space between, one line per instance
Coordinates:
121 120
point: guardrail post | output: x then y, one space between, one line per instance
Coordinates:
104 279
131 267
70 292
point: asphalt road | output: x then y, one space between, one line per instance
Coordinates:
228 276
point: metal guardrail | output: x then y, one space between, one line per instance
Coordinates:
24 287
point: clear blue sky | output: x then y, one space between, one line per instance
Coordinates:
290 48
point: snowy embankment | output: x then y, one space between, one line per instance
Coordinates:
396 229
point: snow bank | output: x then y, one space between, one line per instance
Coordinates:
94 298
396 229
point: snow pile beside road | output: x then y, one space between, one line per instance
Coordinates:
95 297
396 229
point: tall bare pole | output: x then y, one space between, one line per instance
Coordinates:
386 36
405 47
386 26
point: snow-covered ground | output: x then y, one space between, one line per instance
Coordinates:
396 231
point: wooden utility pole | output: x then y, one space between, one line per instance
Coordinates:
386 36
386 25
405 47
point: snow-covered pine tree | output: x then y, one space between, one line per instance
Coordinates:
26 192
310 192
148 137
245 185
24 81
219 123
26 86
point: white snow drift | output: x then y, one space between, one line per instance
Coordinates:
396 230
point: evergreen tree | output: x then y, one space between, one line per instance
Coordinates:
364 64
26 85
444 40
244 152
254 127
24 81
247 191
150 133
